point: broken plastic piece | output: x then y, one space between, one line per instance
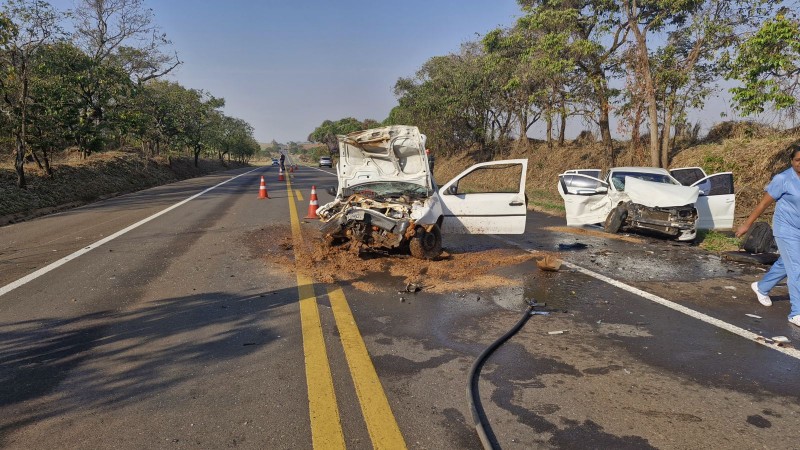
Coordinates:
781 339
557 332
754 316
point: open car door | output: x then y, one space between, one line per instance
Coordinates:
487 198
716 203
586 199
688 176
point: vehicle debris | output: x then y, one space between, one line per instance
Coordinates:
780 339
754 316
387 199
557 332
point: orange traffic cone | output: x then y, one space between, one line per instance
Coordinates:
262 191
280 174
313 204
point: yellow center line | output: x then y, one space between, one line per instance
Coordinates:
326 427
381 424
299 195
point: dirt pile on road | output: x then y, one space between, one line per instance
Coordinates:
455 270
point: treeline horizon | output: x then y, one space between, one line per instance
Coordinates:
102 86
646 63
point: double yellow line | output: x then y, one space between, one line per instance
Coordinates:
326 426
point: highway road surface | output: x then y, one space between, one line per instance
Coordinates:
195 315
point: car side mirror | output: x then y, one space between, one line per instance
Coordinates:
331 190
702 192
452 190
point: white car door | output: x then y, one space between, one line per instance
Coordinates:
586 198
716 203
487 198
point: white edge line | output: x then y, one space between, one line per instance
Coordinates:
793 352
32 276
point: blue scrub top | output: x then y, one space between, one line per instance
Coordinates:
785 189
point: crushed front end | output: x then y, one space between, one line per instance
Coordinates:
370 223
677 222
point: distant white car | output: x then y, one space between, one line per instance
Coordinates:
649 198
325 161
387 198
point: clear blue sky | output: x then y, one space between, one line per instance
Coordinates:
285 66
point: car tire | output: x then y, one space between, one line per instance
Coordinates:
615 219
426 244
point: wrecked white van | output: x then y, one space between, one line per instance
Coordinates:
649 198
387 199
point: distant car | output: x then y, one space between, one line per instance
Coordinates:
275 162
651 199
326 161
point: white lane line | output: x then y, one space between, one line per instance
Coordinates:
32 276
794 353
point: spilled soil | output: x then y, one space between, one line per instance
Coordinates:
454 270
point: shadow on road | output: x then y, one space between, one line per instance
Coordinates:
114 358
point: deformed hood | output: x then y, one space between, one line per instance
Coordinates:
394 153
652 194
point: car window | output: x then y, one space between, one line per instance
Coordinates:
719 184
500 178
688 176
618 178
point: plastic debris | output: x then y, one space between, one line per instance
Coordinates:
556 332
781 339
730 288
754 316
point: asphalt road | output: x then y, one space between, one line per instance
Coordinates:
181 333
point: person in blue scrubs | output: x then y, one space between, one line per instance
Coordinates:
784 191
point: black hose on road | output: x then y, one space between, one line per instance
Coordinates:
482 426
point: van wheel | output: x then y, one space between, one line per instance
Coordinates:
615 219
426 244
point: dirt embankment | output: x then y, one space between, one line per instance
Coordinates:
77 181
753 161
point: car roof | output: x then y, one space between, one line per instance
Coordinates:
655 170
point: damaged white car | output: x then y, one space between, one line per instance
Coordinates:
649 199
387 199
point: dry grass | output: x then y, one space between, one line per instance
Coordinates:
79 181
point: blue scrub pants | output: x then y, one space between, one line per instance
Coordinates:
787 266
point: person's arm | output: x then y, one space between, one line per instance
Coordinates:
762 206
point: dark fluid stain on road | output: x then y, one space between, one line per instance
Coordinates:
461 434
404 366
759 421
591 435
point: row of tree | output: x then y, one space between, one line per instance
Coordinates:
101 86
646 63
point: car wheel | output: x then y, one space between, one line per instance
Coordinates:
426 244
615 219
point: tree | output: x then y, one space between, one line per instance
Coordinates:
326 133
768 66
590 34
701 28
125 50
33 24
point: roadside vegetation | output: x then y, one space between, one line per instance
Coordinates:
99 88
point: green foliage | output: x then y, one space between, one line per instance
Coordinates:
326 133
715 241
768 66
716 163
